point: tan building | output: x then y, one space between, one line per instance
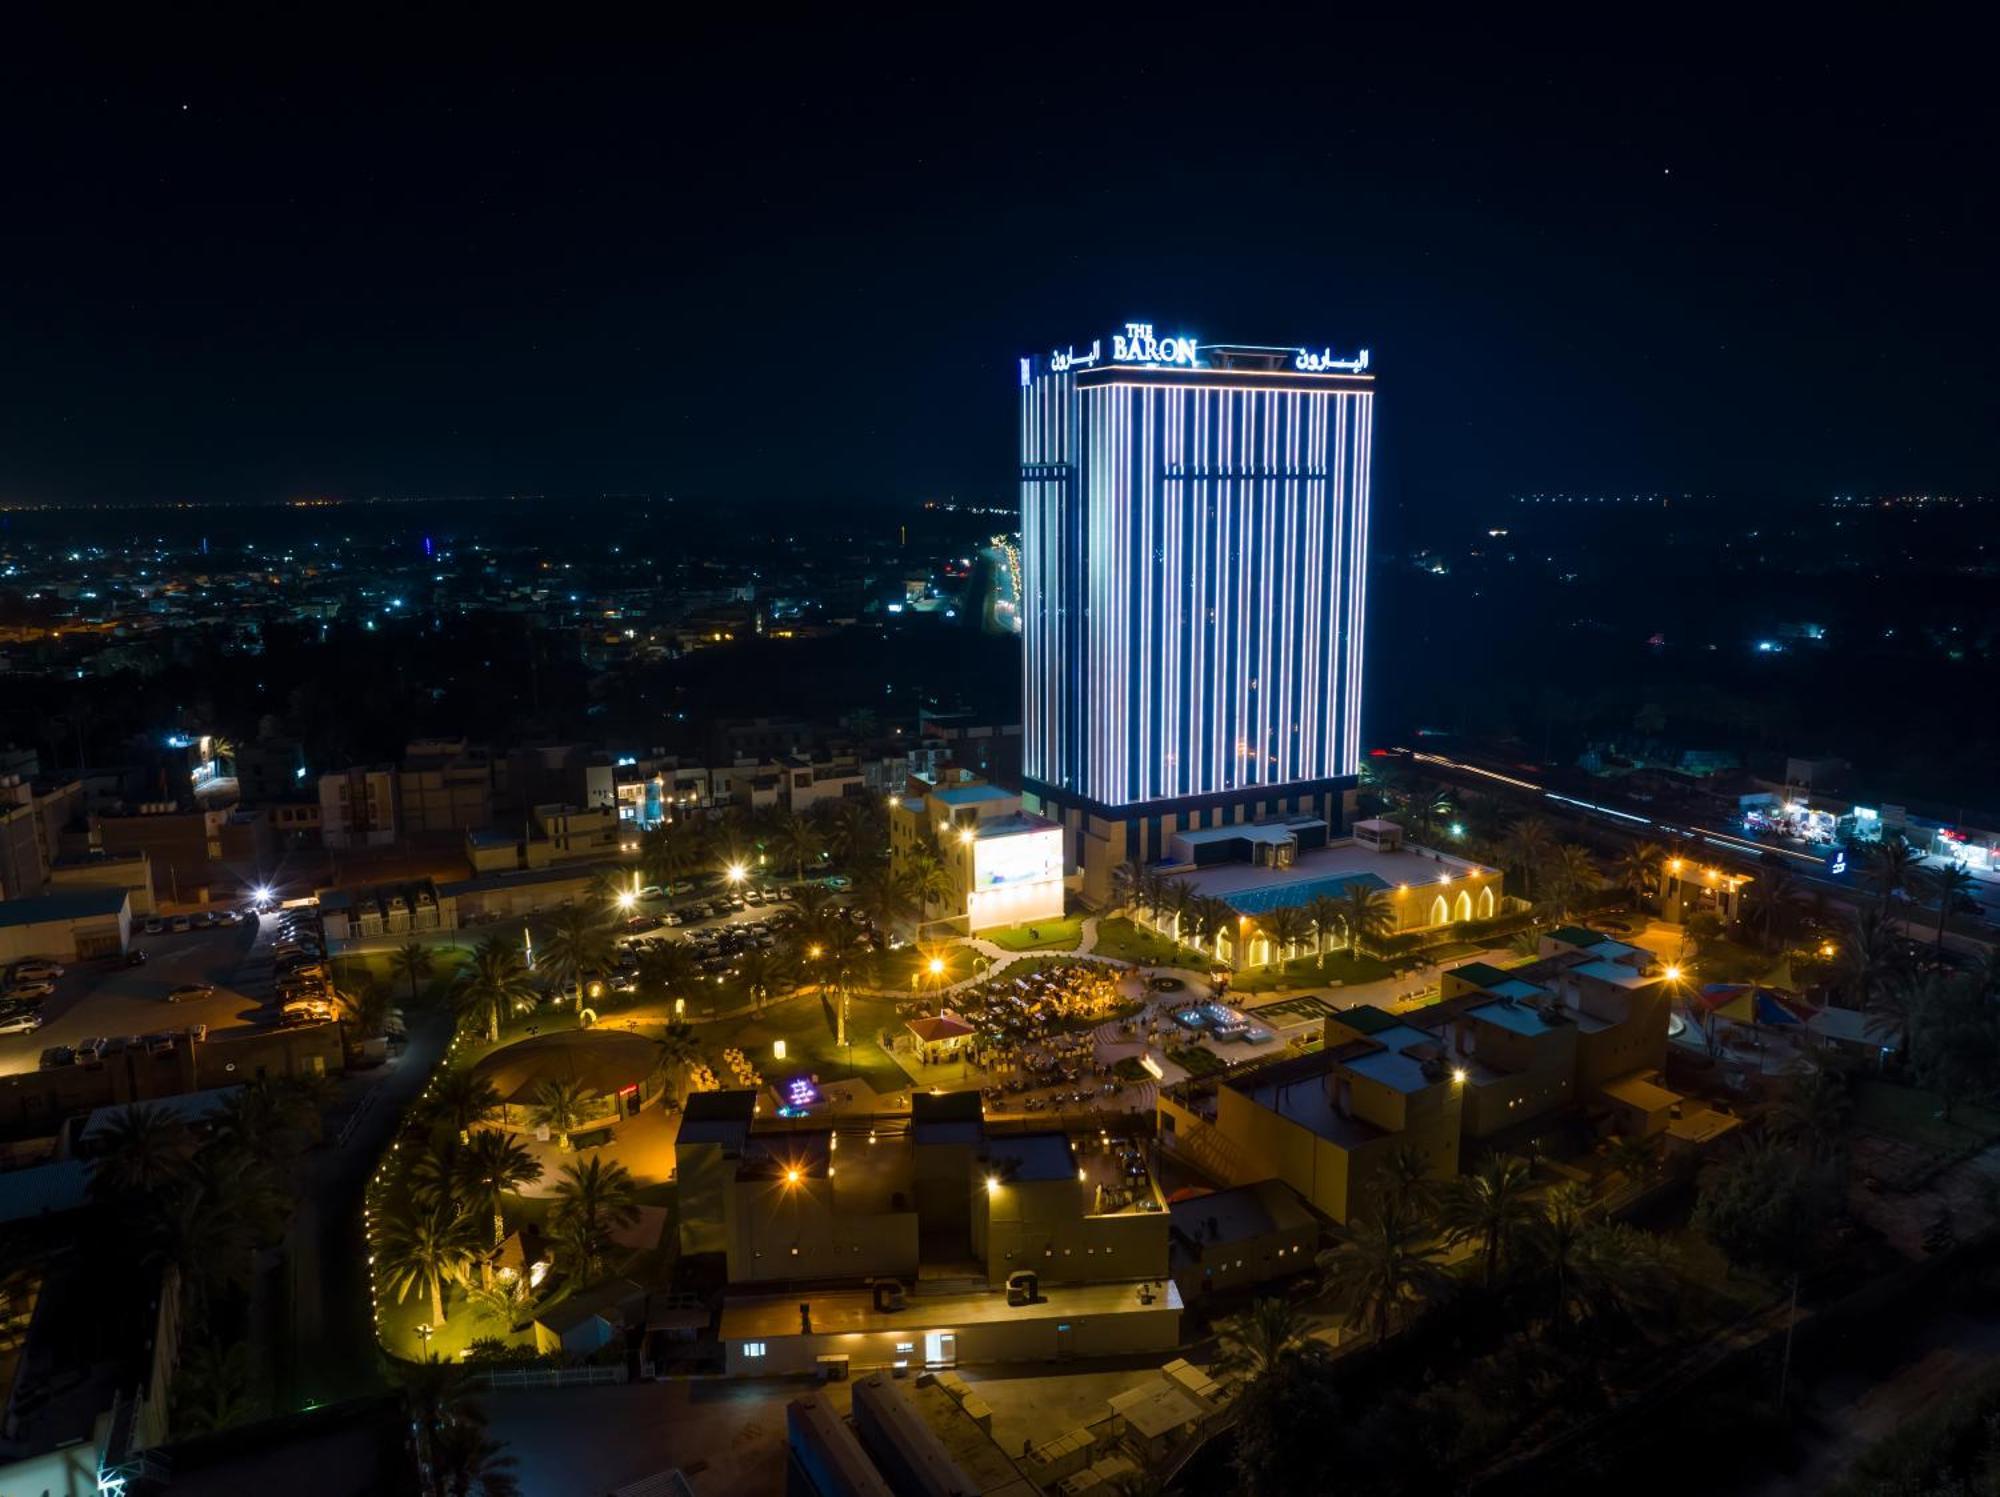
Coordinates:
445 786
1238 1238
357 807
133 873
1326 1123
1006 865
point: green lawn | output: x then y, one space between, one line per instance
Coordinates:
1064 934
1197 1060
806 1026
1124 941
1343 967
1128 1068
1910 1115
1723 960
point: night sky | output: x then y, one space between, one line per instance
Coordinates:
788 267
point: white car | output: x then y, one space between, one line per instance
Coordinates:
37 972
30 990
20 1023
188 990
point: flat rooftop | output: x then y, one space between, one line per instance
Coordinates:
47 909
972 795
1297 1090
836 1312
1274 832
1615 973
1252 890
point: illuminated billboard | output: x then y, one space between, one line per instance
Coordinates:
1033 857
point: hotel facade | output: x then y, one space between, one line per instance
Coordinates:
1194 523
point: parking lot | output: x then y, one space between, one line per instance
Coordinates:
106 998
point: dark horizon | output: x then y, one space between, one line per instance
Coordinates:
798 268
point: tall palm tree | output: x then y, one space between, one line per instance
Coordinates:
469 1462
851 831
1176 899
432 1176
1946 886
490 1165
493 982
796 840
461 1099
1490 1206
140 1154
560 1106
1254 1341
1814 1114
1636 869
212 1389
926 879
1328 917
677 1051
1776 902
1126 880
667 971
426 1250
1873 958
1285 927
879 895
1407 1182
1568 873
412 960
579 942
1890 866
763 975
1387 1265
593 1200
1367 915
669 852
1526 848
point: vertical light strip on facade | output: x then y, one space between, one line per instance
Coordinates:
1195 603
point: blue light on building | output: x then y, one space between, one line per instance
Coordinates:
1194 524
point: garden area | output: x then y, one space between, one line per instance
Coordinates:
1343 968
1197 1060
1124 941
1064 933
808 1026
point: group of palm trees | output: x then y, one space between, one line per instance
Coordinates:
203 1202
1522 1233
1357 918
441 1216
844 831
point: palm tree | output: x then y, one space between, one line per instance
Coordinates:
1367 916
926 879
1596 1269
470 1463
850 830
678 1051
763 975
426 1250
560 1106
1176 898
212 1391
877 894
1776 901
490 1165
667 971
461 1099
1633 1157
1890 866
1568 872
797 841
593 1200
1284 928
1947 886
1328 917
668 853
579 942
1873 957
494 981
412 960
1253 1342
1491 1206
140 1154
840 959
432 1176
1814 1113
1526 847
1126 880
1387 1265
1636 869
1407 1182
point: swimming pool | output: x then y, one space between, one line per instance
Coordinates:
1286 896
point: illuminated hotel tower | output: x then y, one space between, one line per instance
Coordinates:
1194 528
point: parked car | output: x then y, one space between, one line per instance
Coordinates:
135 958
34 971
154 925
206 919
20 1023
189 990
22 991
231 917
180 925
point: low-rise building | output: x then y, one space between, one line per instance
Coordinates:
76 925
1238 1238
357 807
1005 864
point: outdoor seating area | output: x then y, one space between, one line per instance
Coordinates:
1218 1021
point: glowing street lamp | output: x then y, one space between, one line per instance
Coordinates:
737 872
626 900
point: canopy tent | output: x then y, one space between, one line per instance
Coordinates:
1753 1003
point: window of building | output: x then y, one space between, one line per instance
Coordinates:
753 1348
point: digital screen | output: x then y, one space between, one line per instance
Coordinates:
1025 858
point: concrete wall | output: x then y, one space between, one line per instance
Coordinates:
778 1230
1033 1337
1209 1268
1042 1225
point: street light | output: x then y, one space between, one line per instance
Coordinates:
937 966
626 900
1673 974
737 872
